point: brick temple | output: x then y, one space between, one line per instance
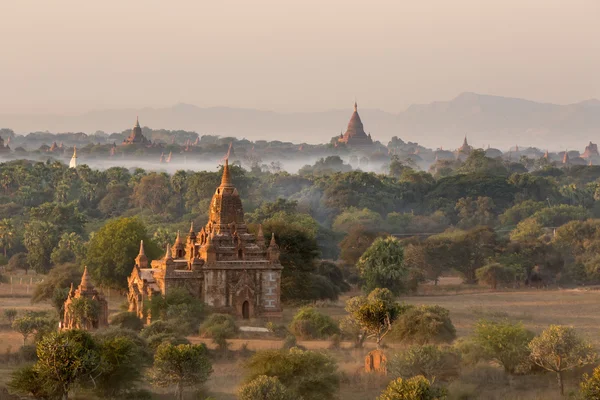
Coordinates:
229 268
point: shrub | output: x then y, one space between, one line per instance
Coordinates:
415 388
494 274
308 375
423 325
127 320
432 362
289 342
264 388
590 387
470 351
308 323
179 307
505 342
10 314
219 327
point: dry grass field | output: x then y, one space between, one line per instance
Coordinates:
535 308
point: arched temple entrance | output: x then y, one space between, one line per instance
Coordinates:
246 310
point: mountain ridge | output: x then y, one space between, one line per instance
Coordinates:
497 120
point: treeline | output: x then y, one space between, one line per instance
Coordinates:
524 226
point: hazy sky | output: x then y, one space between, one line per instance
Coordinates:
72 56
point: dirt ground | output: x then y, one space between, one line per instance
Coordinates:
536 308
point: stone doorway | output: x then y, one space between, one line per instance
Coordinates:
246 310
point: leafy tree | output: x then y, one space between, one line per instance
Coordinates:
415 388
268 209
355 243
506 342
373 315
424 324
382 266
430 361
40 238
520 211
7 234
153 192
475 212
179 308
495 273
560 348
478 163
469 250
18 261
333 274
70 248
26 325
308 323
308 375
296 237
116 200
123 358
64 217
55 286
352 217
65 359
181 366
112 250
590 387
560 215
527 230
264 388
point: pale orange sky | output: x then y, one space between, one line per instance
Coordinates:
73 56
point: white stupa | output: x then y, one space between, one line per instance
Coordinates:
73 163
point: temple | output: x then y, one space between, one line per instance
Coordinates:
355 133
136 136
226 266
85 290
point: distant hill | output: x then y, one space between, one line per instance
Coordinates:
498 121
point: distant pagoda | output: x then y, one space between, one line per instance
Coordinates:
355 133
136 136
73 162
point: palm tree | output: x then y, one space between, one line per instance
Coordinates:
7 233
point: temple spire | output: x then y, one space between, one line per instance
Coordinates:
226 178
273 242
168 254
85 280
137 121
141 260
355 106
178 238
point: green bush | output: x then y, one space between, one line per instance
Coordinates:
433 362
264 388
127 320
308 323
10 314
415 388
495 274
590 387
308 375
506 342
219 327
179 307
423 325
